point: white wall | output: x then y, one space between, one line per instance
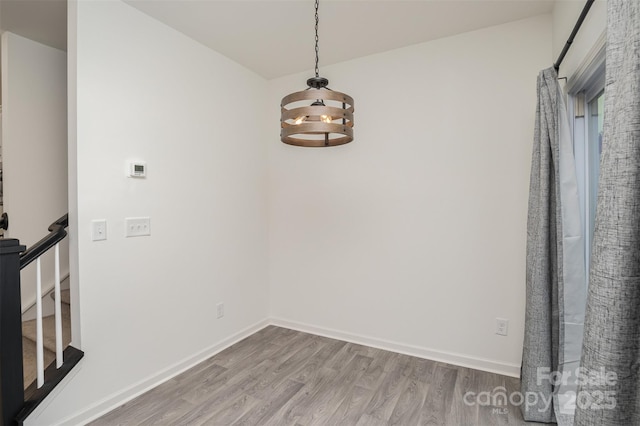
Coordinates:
34 136
147 304
413 236
591 33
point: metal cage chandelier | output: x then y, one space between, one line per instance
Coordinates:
327 121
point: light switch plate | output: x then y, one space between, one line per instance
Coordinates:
98 230
137 226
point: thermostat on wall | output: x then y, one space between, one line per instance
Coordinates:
138 169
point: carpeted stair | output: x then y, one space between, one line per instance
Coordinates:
49 334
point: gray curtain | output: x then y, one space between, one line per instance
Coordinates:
611 351
555 271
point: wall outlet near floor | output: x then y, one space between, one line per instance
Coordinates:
220 309
502 326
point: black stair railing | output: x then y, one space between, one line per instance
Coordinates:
16 403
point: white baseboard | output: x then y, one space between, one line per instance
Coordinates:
507 369
120 397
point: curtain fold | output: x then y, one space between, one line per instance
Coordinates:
555 271
611 348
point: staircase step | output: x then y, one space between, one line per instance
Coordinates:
29 360
65 296
49 329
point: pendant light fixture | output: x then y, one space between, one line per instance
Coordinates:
316 116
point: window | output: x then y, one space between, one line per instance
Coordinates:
586 104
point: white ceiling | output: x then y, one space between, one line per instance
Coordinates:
275 37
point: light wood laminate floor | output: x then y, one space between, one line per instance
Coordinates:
283 377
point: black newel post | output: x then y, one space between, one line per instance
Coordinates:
11 380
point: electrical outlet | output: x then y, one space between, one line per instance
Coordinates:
220 308
502 326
